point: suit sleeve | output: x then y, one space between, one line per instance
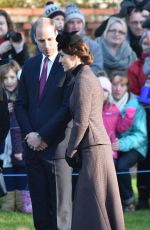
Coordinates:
21 106
82 100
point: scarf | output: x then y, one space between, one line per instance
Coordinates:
122 102
123 58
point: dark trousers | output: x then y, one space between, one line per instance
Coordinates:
50 189
15 182
125 161
143 179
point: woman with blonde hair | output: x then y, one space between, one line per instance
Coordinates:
117 52
97 202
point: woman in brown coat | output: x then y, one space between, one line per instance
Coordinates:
97 203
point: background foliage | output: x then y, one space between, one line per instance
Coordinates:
41 3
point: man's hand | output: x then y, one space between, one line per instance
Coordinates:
33 140
42 146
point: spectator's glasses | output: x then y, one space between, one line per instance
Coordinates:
120 32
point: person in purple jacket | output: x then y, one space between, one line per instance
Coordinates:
18 197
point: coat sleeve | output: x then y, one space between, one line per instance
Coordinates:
22 56
138 133
16 137
82 108
4 119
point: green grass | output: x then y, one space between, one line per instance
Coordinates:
15 221
138 220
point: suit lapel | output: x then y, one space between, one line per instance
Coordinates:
35 80
52 78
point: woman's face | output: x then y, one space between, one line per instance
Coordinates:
119 87
10 81
3 26
115 34
69 62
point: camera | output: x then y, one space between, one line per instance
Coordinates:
14 36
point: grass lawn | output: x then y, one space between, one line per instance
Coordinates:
138 220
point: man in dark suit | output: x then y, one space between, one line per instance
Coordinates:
43 114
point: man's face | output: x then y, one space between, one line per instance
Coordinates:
135 22
46 39
75 24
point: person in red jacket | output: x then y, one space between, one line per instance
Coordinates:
136 75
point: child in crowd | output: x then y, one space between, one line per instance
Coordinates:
54 12
18 197
113 120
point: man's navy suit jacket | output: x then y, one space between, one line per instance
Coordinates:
49 115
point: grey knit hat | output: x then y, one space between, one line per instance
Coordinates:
52 10
72 11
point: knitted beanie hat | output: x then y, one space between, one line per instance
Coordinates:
72 11
52 10
105 83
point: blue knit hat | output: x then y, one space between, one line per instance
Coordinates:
72 11
52 10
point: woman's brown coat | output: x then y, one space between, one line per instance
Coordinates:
97 203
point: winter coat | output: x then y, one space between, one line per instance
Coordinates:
114 122
136 136
136 75
16 139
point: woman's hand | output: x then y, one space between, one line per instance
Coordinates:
5 47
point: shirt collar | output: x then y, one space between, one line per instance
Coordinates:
51 58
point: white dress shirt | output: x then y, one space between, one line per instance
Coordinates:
50 63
